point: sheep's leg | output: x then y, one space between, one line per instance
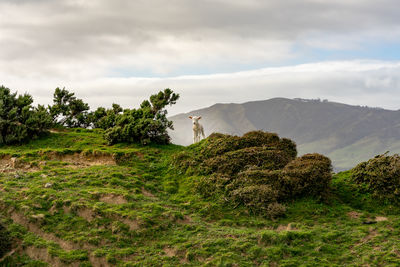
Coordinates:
202 132
194 137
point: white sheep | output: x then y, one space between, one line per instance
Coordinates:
198 129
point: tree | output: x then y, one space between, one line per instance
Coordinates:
19 120
68 110
148 124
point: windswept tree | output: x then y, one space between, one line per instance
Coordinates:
19 120
69 111
147 124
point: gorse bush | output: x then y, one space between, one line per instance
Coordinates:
308 175
19 120
379 176
258 170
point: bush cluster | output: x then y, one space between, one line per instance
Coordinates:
259 171
19 120
379 176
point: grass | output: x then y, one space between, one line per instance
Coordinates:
144 212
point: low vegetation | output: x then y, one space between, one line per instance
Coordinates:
259 171
99 197
21 122
380 177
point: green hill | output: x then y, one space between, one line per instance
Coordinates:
71 200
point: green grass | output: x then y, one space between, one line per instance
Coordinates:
157 218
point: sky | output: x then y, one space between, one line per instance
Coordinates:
218 51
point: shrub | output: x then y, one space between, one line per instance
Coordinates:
310 174
255 197
235 161
5 241
145 125
105 118
379 176
257 170
218 144
19 120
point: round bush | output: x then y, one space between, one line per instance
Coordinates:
379 176
310 174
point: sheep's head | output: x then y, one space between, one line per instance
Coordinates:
195 119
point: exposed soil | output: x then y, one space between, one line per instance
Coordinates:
76 160
113 199
380 218
354 214
288 227
170 252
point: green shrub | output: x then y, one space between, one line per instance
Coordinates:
257 171
19 120
310 174
148 124
255 197
379 176
5 241
233 162
218 144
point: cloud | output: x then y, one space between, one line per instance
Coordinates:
100 48
372 83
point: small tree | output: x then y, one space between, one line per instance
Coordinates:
68 110
19 120
148 124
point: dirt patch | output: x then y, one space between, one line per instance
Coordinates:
354 214
82 159
380 218
11 164
139 155
113 199
43 255
288 227
133 224
170 252
86 213
186 220
147 193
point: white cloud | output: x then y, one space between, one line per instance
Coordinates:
373 83
86 45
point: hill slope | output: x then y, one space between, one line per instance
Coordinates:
71 200
347 134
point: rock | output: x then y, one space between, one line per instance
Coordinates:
48 185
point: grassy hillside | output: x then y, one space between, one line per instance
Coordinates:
71 200
347 134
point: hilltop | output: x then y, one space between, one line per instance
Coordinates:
71 200
346 134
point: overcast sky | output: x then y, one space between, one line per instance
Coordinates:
208 51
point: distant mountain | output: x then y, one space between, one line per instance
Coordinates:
347 134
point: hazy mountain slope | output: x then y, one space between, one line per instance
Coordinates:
348 134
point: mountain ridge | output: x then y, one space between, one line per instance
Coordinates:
346 133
